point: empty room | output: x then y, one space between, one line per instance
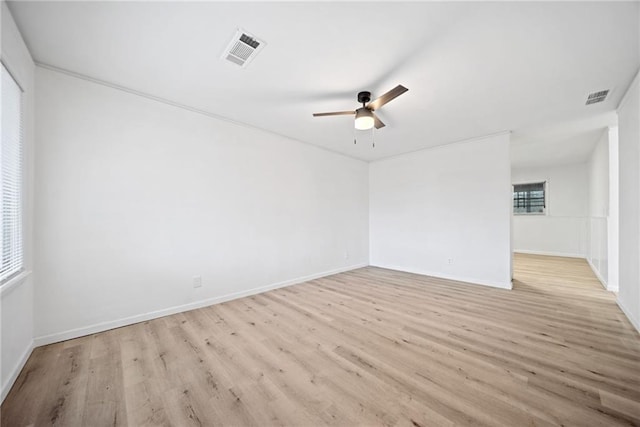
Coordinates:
320 213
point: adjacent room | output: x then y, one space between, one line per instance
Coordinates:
320 213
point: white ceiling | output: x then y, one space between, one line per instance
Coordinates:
562 143
472 69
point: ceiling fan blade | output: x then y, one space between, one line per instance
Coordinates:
377 122
389 96
335 113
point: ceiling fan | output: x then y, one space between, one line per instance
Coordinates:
365 116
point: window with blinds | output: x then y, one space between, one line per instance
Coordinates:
529 198
11 176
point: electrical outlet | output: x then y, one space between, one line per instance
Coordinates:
197 281
450 261
346 254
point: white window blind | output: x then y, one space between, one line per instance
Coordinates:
11 176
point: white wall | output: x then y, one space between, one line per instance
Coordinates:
447 203
16 296
629 193
613 232
135 197
597 250
563 230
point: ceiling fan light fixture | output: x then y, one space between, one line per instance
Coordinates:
364 119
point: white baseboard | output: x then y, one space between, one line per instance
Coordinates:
469 280
597 273
112 324
6 387
562 254
627 313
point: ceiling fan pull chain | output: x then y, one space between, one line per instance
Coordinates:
373 138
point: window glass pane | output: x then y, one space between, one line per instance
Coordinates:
529 198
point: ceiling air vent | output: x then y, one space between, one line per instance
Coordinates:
242 48
596 97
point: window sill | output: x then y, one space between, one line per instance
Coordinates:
14 283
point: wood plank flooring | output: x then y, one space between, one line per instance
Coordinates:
366 347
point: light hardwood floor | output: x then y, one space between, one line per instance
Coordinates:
367 347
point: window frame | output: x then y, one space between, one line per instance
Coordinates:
18 275
545 189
